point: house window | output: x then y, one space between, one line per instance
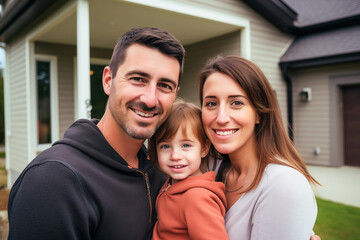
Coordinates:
43 80
46 102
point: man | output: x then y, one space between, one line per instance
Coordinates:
97 182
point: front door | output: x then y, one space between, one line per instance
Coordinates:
98 97
351 117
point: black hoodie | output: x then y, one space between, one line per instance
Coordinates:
81 188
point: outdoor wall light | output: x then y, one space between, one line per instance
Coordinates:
305 95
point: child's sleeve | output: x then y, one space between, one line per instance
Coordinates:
204 215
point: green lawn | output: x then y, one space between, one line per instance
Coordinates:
337 221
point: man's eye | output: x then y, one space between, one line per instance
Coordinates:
137 79
166 87
185 145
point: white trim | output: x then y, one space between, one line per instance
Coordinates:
7 118
54 100
29 51
83 60
206 12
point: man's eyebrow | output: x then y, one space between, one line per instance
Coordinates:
144 74
137 72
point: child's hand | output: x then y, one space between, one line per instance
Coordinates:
315 237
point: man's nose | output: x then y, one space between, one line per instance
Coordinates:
149 96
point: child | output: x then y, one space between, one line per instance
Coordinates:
190 205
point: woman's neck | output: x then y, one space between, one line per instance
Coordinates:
245 159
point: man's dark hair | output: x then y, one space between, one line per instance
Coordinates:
149 37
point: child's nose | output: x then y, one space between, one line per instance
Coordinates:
175 155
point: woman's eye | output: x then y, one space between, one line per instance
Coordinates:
210 104
237 103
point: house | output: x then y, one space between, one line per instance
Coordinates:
309 50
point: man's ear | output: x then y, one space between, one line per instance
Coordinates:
177 90
205 149
107 80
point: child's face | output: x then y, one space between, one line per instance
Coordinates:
180 157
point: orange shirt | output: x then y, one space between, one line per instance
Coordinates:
193 208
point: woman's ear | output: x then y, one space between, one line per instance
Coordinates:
257 118
107 80
205 148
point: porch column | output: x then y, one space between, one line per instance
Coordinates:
83 60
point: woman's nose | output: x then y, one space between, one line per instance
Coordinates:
222 116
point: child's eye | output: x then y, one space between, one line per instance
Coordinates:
164 146
186 145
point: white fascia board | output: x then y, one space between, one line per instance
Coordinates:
206 12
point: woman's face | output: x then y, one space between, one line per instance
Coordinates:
228 116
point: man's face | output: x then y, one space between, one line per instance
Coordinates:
143 90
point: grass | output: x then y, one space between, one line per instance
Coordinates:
337 221
2 154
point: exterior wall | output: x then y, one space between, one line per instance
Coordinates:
267 44
196 56
66 57
313 121
17 121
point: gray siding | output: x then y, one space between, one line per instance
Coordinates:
18 99
267 44
312 120
197 55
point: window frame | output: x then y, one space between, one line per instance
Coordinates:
54 105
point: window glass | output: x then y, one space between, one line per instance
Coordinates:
43 101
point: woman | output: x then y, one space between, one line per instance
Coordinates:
267 184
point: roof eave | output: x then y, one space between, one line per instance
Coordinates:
20 14
276 12
321 61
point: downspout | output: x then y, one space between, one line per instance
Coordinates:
284 70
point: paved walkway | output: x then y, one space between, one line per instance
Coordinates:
338 184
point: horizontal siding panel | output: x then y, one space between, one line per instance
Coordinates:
18 145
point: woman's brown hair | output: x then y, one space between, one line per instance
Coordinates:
274 145
182 116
